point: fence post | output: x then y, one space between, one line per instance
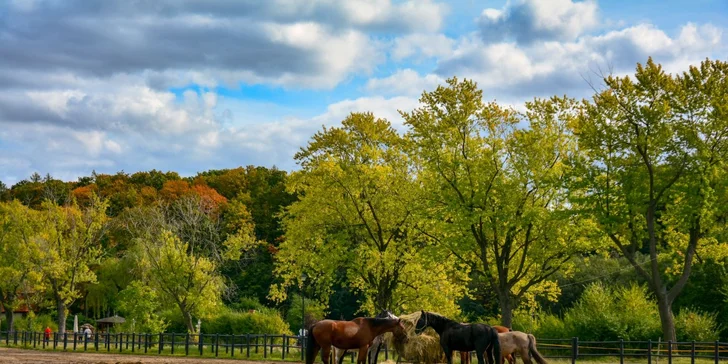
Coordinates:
574 349
621 351
256 344
669 351
161 343
692 352
649 351
232 345
717 352
217 344
172 344
247 349
133 341
283 348
200 339
187 344
265 347
146 342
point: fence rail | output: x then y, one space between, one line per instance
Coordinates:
288 347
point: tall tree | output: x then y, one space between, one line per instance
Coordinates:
655 170
358 211
18 256
71 239
180 246
496 184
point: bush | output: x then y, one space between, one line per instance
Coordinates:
552 327
36 323
232 322
594 316
691 324
247 303
314 312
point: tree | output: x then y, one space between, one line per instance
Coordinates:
180 246
71 240
18 257
357 211
655 170
496 186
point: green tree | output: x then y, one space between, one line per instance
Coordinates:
18 257
71 240
654 170
496 186
180 246
357 211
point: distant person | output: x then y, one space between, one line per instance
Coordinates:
87 333
47 334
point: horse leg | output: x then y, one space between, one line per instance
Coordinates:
448 354
326 353
362 358
525 355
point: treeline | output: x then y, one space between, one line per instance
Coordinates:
602 218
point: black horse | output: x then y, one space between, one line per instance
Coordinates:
455 336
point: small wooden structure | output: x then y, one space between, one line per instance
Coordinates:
105 324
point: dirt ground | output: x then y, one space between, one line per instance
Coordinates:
34 356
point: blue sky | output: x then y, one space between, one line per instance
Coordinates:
187 85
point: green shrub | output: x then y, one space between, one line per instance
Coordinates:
229 322
692 324
594 317
36 323
314 311
552 327
638 315
247 303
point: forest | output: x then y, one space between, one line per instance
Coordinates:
602 218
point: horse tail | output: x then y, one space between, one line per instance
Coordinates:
496 345
532 350
310 346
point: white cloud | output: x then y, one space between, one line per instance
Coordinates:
404 82
421 45
527 21
547 68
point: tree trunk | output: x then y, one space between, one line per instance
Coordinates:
506 306
9 319
188 321
61 307
666 318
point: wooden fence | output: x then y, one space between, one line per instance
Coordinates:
285 347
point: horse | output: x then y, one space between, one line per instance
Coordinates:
374 348
521 343
462 337
465 356
355 334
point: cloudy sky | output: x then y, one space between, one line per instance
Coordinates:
189 85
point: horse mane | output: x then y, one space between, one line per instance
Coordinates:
438 320
378 321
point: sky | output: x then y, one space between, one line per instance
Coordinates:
189 86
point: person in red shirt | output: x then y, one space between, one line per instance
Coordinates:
47 334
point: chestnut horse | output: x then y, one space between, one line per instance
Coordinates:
465 356
355 334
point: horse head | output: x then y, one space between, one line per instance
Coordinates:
421 323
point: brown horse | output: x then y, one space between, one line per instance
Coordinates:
355 334
465 356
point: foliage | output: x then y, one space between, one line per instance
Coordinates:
139 303
35 323
70 239
315 311
655 169
497 191
231 322
357 212
696 325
